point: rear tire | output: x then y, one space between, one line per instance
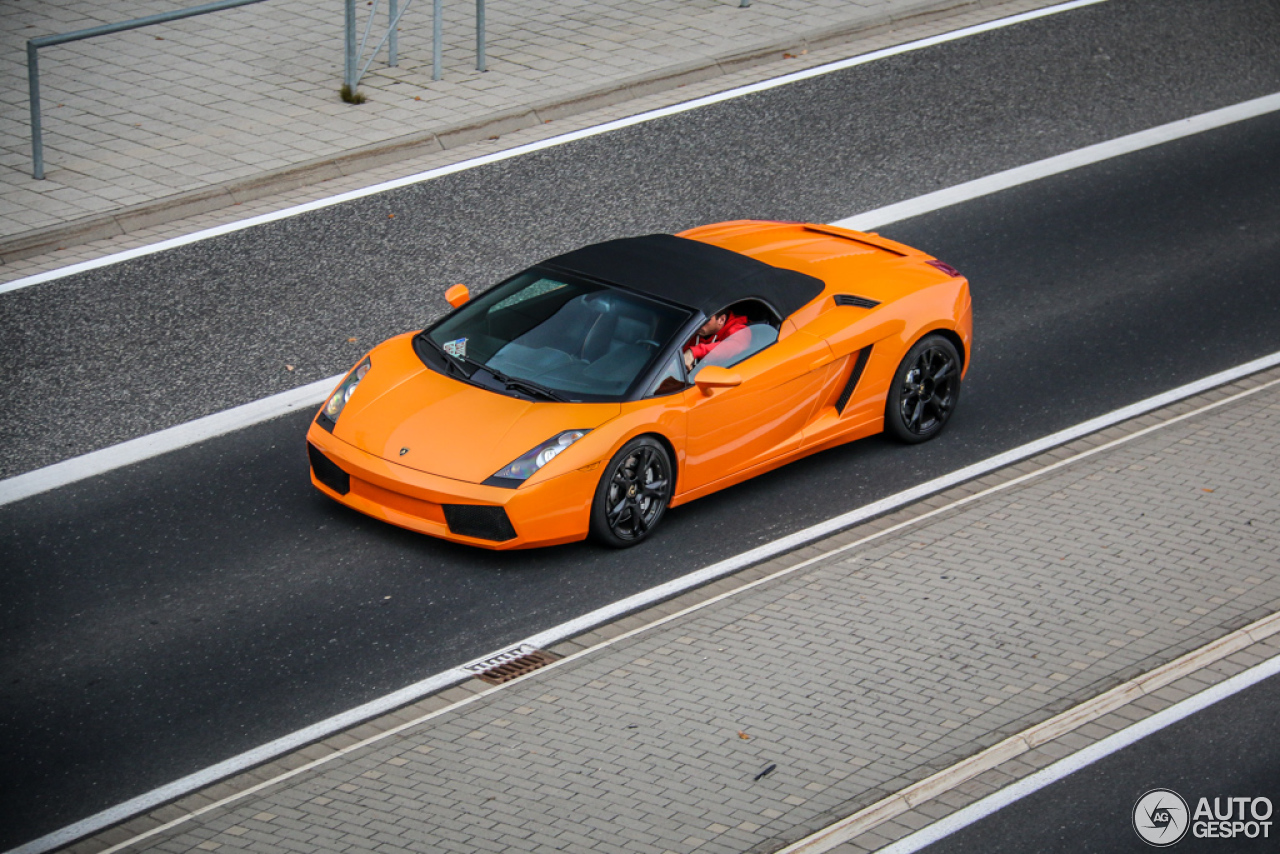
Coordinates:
925 391
633 494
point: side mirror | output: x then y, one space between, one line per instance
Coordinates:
713 377
457 295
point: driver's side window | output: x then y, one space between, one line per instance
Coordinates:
738 347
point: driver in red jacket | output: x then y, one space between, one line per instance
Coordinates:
713 332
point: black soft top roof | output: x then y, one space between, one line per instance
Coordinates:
689 272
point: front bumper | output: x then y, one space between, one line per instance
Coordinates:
552 511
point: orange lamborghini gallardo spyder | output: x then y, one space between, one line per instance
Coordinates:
590 393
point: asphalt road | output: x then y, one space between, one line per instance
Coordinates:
1226 750
122 351
166 616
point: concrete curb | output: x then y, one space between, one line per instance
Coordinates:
1014 746
226 194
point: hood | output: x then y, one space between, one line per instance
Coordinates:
436 424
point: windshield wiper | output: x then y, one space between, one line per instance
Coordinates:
449 361
536 390
509 383
527 386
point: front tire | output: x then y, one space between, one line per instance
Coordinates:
633 494
925 391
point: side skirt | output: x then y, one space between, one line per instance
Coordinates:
855 433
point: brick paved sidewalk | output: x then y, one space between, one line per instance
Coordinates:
172 120
821 683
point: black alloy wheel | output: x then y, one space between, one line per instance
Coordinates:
633 494
925 390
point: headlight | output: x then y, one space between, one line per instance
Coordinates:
344 391
529 463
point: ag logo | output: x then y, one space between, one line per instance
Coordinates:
1160 817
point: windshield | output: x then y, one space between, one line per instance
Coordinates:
542 332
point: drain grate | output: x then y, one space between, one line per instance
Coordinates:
517 667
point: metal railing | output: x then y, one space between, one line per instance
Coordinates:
353 70
33 60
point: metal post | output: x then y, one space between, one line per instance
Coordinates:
349 66
480 36
437 39
393 56
33 92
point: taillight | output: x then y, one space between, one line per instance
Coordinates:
944 267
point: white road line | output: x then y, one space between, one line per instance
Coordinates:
562 139
154 444
439 681
1063 163
1069 765
182 435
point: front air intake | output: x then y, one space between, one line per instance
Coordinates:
327 471
482 521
